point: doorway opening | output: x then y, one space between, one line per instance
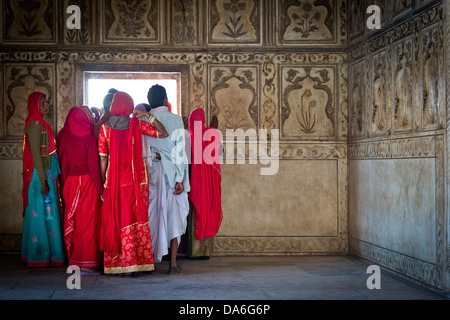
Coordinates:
136 84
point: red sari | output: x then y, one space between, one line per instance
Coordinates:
125 236
61 144
205 178
82 191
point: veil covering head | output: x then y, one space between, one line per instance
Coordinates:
81 122
34 114
125 155
205 178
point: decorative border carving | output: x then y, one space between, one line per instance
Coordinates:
422 271
280 245
414 147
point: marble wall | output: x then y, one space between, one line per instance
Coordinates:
272 68
396 147
337 95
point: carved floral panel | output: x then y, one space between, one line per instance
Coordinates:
430 77
234 21
308 102
402 80
131 21
356 15
303 21
184 22
234 96
29 21
21 80
378 87
357 98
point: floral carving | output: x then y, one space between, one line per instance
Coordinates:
29 20
30 25
234 26
231 102
183 21
306 22
309 98
235 21
131 18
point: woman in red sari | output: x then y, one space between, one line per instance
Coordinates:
205 216
125 233
82 191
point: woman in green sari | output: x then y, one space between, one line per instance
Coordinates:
42 244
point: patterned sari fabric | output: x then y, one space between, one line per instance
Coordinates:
125 233
42 235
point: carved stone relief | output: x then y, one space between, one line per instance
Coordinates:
128 21
357 92
430 77
29 21
234 21
184 22
308 102
379 92
21 80
234 96
356 21
307 20
402 81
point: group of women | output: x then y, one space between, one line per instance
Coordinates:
86 194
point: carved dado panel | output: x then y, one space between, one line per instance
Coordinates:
185 17
82 36
234 21
379 92
29 21
309 21
357 98
308 99
132 21
234 94
20 81
356 19
402 80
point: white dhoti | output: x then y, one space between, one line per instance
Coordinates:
167 213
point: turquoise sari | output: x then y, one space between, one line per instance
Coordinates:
42 240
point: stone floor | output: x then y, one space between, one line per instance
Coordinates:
219 278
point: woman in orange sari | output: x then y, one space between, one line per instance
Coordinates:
82 191
125 233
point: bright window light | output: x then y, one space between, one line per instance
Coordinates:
98 84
